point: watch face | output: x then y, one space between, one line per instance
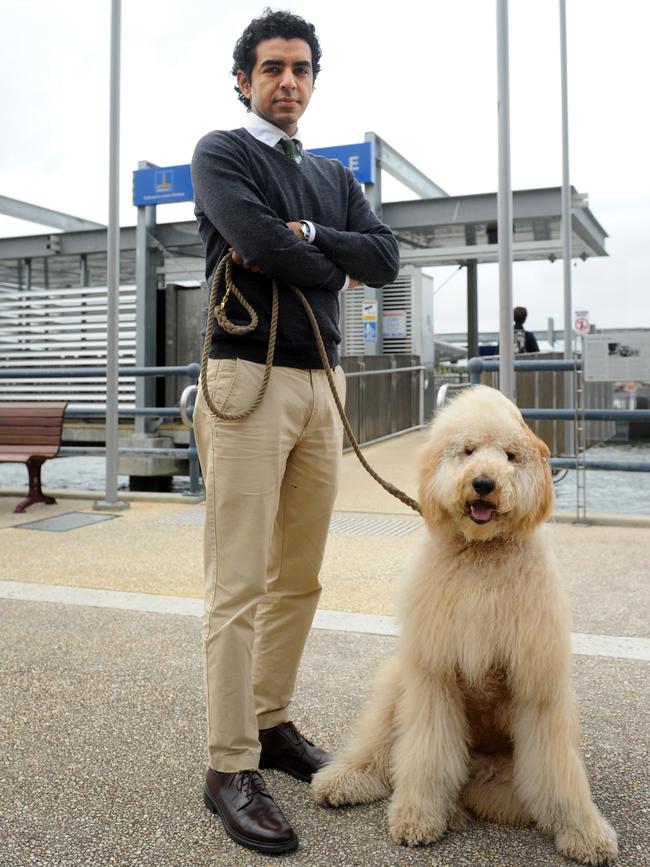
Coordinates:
305 230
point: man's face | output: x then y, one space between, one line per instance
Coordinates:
281 82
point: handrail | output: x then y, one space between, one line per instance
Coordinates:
191 370
614 466
187 413
588 414
353 373
80 410
477 365
441 397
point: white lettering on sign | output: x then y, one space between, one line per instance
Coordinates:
353 163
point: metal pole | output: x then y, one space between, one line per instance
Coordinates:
145 305
113 269
566 224
472 310
373 191
504 203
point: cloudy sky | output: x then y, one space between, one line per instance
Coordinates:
423 77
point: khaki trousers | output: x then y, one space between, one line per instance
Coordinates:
270 480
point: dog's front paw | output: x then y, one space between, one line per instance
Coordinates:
338 784
592 843
458 818
412 825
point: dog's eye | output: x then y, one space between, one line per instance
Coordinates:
469 450
511 456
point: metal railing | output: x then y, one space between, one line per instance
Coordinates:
386 400
94 410
477 366
376 414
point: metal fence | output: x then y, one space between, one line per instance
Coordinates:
544 388
478 367
384 395
384 398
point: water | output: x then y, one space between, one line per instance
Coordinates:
80 473
620 492
609 491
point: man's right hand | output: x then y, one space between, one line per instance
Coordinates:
237 259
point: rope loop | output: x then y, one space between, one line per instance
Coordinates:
224 270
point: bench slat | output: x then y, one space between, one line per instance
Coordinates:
19 455
29 424
29 441
30 430
22 425
40 413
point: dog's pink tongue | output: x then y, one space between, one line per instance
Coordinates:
481 511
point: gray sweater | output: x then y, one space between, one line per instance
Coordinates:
245 193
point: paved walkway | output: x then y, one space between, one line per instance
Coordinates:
100 697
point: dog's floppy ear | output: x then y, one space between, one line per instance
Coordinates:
547 499
429 458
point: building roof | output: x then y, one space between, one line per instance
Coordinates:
446 230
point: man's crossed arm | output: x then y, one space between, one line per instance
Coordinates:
228 195
297 231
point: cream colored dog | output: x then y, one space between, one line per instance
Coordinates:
476 709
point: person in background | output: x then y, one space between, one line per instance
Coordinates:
525 341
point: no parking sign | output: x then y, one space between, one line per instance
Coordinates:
581 323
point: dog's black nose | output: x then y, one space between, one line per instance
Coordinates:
483 485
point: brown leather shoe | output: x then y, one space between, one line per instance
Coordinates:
284 748
248 812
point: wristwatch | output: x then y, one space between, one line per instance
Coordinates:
305 230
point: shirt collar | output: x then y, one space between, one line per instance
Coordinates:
266 132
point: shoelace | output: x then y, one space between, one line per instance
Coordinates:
249 783
297 738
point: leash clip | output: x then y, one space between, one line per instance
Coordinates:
221 306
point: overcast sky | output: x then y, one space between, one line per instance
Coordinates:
422 76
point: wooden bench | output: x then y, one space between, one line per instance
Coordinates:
30 433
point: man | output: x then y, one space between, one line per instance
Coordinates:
525 341
271 478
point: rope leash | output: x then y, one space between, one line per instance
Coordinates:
224 270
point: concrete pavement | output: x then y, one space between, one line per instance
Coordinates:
102 713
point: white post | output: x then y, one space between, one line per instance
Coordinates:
504 203
566 227
113 270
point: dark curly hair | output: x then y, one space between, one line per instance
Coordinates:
270 25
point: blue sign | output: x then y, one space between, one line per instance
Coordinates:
359 158
369 332
160 186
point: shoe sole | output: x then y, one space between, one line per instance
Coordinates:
266 763
268 848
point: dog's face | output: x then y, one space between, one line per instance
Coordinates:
483 469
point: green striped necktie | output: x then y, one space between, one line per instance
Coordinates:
290 147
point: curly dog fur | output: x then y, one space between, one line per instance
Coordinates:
476 709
